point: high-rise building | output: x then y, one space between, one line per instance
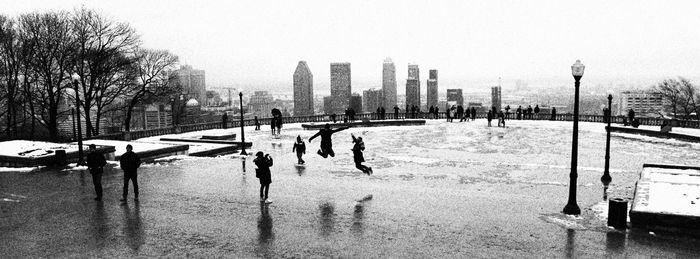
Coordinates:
644 103
261 104
432 87
340 86
455 97
373 99
496 97
356 103
413 86
192 83
389 82
303 90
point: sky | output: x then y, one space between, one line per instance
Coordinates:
248 44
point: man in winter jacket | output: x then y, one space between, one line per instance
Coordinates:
130 162
95 162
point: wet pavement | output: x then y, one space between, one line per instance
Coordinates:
440 190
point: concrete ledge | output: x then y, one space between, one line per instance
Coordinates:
161 152
667 197
654 133
237 144
215 151
47 160
220 137
377 123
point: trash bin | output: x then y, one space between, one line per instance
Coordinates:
60 157
617 213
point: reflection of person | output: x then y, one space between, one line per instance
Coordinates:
95 162
263 173
130 162
265 233
357 149
326 142
300 148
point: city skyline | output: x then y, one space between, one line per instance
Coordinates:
250 45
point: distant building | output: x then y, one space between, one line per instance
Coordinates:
496 97
328 105
455 96
413 86
341 86
432 87
356 103
389 82
303 90
261 104
192 82
373 99
644 103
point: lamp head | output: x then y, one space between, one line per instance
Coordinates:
240 94
610 92
577 69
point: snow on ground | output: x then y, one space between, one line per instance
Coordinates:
669 191
120 146
26 148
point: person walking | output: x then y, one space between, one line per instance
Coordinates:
130 162
357 149
326 141
263 174
537 111
95 162
300 148
257 123
489 117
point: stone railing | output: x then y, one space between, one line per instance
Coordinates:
232 123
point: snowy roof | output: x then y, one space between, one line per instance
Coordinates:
192 102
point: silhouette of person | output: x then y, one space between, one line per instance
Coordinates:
529 112
95 162
473 113
257 123
272 125
130 162
396 112
489 117
300 148
224 121
326 142
554 113
263 173
357 149
537 111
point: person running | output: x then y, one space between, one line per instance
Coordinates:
95 162
357 149
263 173
326 142
130 162
300 148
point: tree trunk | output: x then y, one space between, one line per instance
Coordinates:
88 123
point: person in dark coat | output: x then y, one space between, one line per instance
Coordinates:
378 115
333 117
272 125
383 111
263 173
413 112
473 113
489 117
95 162
437 112
257 123
537 111
357 149
554 113
300 148
460 113
507 112
224 120
529 112
352 114
501 119
519 113
432 112
326 142
396 112
130 162
278 124
630 114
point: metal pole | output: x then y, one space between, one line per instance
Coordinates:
606 179
80 131
72 113
240 95
571 207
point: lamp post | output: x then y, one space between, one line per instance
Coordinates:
606 179
76 77
571 207
240 95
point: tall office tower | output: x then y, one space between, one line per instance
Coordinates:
303 90
432 87
389 82
340 86
192 83
496 97
373 99
413 86
454 96
356 103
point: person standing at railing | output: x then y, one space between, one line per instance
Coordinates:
432 112
257 123
473 113
272 125
537 111
278 124
507 112
554 113
519 113
437 112
396 112
224 121
529 112
383 112
501 119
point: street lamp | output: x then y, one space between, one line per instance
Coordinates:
240 95
571 207
76 77
606 179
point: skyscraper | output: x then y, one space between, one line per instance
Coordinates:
413 86
389 83
373 99
340 86
496 97
432 87
192 83
303 90
454 96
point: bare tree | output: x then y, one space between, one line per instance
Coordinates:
10 67
670 91
688 94
152 72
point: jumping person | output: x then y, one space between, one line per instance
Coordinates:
263 173
300 148
130 162
326 142
95 162
357 149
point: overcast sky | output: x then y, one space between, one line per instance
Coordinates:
242 43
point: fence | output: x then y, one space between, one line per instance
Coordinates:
371 116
